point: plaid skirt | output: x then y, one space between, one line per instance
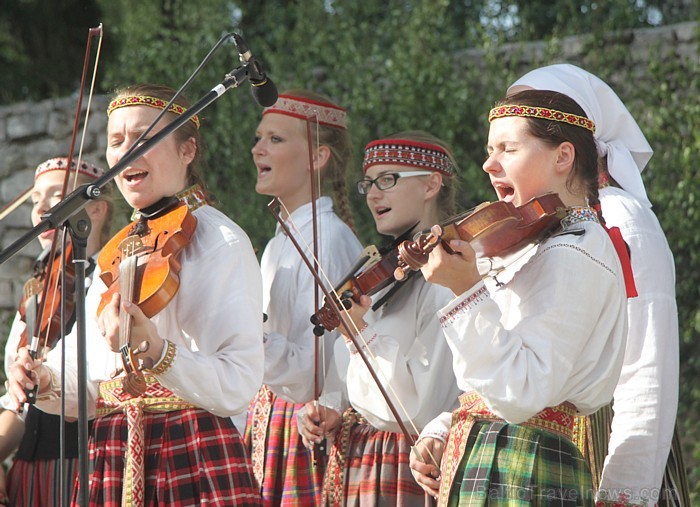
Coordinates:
38 483
283 468
488 461
368 467
192 458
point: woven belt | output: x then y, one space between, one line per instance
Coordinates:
473 409
261 406
334 478
112 399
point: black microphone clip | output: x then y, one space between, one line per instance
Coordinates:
264 90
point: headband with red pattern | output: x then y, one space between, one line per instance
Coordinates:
61 163
409 153
299 107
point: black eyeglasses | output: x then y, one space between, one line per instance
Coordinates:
386 181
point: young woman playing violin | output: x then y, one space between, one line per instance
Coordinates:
537 341
636 466
162 434
34 478
409 183
283 467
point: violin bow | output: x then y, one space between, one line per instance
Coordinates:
34 345
353 334
319 344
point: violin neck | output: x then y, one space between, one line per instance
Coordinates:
127 283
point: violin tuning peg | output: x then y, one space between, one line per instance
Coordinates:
314 320
319 330
399 274
346 294
347 303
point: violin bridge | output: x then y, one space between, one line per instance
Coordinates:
131 245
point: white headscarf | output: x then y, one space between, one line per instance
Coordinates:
617 134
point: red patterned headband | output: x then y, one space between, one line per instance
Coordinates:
303 108
61 163
409 153
145 100
542 113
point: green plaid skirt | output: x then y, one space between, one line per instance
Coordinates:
513 465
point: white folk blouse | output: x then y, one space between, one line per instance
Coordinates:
214 320
646 397
288 297
405 347
548 328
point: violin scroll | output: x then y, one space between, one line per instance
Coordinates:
414 254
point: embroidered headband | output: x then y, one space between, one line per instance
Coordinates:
303 108
145 100
542 113
409 153
61 163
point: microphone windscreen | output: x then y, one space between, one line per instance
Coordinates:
265 93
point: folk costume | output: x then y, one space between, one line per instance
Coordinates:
282 465
34 479
176 444
637 460
538 340
369 459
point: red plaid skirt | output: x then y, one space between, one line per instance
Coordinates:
38 483
369 467
282 465
192 457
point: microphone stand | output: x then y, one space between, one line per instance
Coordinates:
70 214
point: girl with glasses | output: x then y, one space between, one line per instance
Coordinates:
409 183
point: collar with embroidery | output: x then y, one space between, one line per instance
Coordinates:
577 214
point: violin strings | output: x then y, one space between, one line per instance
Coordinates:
54 292
357 331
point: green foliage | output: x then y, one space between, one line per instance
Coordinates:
40 56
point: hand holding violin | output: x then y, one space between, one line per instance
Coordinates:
456 271
25 373
144 333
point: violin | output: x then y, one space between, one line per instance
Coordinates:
140 263
44 321
47 324
493 230
377 272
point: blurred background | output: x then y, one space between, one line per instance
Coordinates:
435 65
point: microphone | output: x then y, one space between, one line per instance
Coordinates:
264 90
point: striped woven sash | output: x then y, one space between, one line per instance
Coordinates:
334 478
473 409
112 399
261 406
